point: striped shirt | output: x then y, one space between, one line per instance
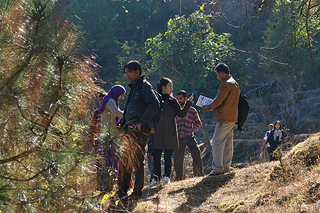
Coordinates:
189 124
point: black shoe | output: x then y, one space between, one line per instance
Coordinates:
120 194
131 198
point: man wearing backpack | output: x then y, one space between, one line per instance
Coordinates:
225 106
142 104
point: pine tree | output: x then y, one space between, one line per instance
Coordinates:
46 89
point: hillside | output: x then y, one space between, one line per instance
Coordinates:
289 185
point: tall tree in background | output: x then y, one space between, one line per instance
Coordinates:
46 88
188 52
109 24
288 38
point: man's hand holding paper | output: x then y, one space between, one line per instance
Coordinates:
204 102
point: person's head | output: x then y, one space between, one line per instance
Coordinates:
222 71
165 86
277 125
132 70
270 126
100 97
117 92
182 97
121 97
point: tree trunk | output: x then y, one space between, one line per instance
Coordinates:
205 132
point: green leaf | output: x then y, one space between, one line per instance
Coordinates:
188 49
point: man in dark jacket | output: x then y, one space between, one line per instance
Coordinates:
142 104
225 106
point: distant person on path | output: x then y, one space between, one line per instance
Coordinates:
166 137
225 106
264 145
275 139
186 127
142 104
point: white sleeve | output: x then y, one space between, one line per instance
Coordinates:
265 136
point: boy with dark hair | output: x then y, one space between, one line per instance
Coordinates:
133 66
222 67
142 104
186 127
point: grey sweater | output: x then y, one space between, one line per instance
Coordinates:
108 116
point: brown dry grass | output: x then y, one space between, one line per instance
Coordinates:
293 186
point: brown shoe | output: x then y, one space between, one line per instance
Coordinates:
213 173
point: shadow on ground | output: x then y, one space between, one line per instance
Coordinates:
118 206
199 193
149 192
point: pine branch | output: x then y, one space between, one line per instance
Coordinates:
31 178
23 154
18 72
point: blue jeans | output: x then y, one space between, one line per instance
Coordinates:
150 165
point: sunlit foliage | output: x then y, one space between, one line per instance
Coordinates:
46 89
188 52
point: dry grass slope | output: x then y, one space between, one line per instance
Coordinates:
292 185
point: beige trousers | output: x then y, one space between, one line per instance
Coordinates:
222 147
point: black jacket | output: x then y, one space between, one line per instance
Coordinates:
166 136
142 104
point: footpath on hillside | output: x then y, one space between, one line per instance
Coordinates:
289 185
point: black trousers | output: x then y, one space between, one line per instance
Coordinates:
270 151
195 153
157 162
142 139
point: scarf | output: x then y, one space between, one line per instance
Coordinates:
277 133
